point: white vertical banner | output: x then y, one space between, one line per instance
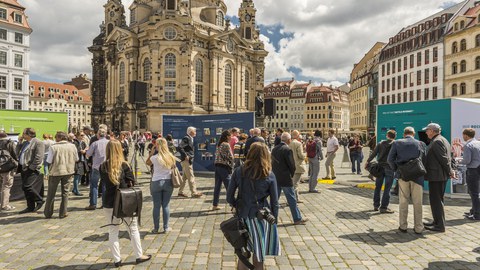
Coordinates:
464 115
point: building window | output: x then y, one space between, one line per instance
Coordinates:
426 93
463 66
393 84
3 34
122 73
419 95
419 77
463 89
3 13
388 85
454 68
405 97
18 18
399 82
19 38
171 4
399 65
199 82
454 90
393 99
477 62
399 97
170 66
132 16
419 59
220 18
427 57
435 93
17 104
170 33
248 32
3 58
477 86
405 80
3 82
412 57
427 75
411 96
462 24
3 104
454 47
435 74
147 70
463 45
18 84
477 40
435 54
388 69
170 91
405 63
393 67
228 86
247 87
383 86
18 60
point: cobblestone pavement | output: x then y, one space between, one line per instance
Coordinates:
343 233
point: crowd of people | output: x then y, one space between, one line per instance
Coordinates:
259 166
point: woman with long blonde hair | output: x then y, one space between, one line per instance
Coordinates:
116 173
161 186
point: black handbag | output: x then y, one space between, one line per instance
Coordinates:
375 169
128 203
412 169
236 233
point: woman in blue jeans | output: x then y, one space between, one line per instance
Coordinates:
161 186
223 166
356 155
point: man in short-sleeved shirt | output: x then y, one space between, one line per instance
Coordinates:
332 148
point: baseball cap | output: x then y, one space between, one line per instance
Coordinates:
433 126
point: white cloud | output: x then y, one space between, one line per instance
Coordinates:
329 36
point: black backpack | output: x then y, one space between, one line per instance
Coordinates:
7 162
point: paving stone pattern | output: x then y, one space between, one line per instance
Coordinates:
343 233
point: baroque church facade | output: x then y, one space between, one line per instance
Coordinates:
191 59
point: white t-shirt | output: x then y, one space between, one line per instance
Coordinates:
160 172
331 143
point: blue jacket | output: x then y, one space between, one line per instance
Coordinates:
246 207
404 150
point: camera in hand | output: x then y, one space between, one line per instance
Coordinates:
266 214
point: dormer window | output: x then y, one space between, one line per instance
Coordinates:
18 18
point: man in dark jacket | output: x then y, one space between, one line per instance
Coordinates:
380 152
30 152
6 177
187 151
439 169
402 151
283 166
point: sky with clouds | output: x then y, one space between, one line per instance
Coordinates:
316 40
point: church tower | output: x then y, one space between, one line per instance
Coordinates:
247 13
114 15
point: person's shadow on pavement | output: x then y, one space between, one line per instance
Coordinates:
382 238
455 264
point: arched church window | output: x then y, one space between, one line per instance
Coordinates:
247 87
228 86
170 77
199 82
109 28
220 18
122 73
147 65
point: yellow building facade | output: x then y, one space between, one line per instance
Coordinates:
462 55
363 89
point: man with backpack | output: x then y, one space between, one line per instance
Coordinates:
8 167
315 155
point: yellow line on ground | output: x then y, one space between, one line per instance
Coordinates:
326 182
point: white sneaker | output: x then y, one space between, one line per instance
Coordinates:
8 208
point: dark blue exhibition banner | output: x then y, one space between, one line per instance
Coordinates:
209 128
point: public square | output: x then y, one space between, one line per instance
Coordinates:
343 233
